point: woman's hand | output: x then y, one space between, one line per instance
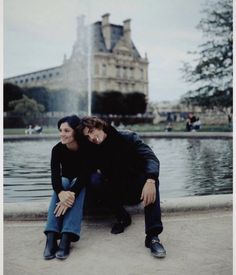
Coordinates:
60 209
149 192
67 198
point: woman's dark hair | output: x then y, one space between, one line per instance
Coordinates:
73 121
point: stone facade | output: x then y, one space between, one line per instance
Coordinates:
109 61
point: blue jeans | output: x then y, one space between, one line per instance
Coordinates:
70 222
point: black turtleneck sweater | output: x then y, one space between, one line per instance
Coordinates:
69 164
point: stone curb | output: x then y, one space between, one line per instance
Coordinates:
224 135
35 211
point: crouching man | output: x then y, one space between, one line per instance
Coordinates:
129 172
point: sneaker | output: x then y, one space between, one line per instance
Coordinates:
156 247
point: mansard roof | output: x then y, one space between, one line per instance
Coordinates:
116 35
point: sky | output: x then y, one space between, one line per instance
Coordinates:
37 34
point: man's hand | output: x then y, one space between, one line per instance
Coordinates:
149 192
60 209
67 198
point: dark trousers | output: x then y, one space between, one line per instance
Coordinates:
117 193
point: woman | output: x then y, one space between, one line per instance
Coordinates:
68 174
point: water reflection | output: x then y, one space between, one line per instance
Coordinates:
192 167
215 164
189 167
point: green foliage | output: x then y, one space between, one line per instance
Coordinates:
136 103
60 100
212 73
27 108
39 94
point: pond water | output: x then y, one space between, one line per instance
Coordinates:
189 167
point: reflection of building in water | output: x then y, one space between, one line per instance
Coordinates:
115 64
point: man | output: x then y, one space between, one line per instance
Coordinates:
130 172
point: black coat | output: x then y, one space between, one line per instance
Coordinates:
123 156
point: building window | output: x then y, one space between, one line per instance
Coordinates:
117 71
38 77
21 81
104 69
127 87
26 80
119 86
16 82
44 76
97 69
50 75
32 78
141 73
124 72
132 72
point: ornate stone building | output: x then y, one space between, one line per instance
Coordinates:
104 58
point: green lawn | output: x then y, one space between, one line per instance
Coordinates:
177 127
21 131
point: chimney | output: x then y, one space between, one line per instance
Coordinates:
127 30
106 30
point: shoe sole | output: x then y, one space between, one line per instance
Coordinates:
61 258
159 255
49 258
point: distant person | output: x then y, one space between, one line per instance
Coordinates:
38 129
169 127
129 174
190 120
230 120
197 124
29 130
68 179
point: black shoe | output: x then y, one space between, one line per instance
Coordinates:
51 246
120 226
157 249
64 247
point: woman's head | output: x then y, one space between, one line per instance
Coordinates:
67 126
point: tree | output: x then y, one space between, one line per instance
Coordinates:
112 102
27 108
10 92
212 72
136 103
39 94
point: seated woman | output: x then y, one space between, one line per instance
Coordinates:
68 179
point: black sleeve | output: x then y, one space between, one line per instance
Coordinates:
80 183
56 170
151 162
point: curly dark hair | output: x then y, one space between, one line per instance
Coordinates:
92 122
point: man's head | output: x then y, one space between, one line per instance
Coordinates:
94 129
